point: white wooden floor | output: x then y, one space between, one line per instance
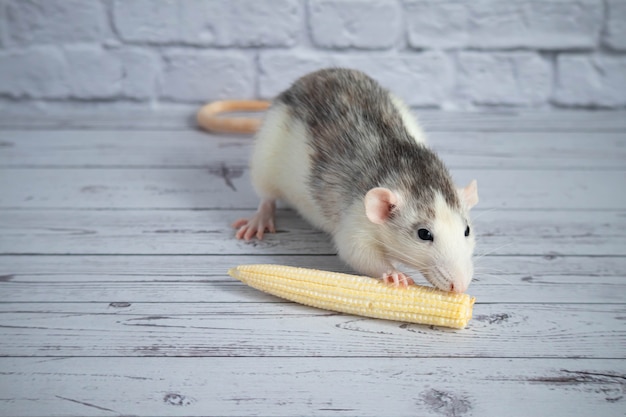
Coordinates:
114 298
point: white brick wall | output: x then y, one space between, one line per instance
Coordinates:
588 80
616 25
504 78
493 24
221 23
55 21
192 75
434 53
363 24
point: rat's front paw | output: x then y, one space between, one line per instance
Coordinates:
397 279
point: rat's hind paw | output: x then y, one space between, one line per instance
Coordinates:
247 229
397 279
262 220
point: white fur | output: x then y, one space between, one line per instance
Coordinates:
447 260
358 243
454 249
375 248
372 249
281 148
409 120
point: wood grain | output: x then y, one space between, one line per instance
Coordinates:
122 268
500 290
183 118
195 149
115 239
228 186
203 279
265 329
311 386
208 232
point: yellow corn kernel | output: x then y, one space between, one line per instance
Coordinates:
359 295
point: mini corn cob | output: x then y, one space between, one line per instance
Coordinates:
359 295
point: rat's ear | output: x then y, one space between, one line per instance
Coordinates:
469 194
379 203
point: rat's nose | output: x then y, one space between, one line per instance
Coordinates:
460 279
459 285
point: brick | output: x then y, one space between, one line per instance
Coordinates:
505 78
194 76
258 23
541 24
148 21
615 36
419 79
77 71
245 23
366 24
591 81
140 70
37 72
437 24
3 24
279 69
55 21
92 74
97 73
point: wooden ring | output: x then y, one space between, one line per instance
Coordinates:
209 116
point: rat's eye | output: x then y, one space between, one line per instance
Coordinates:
467 231
425 234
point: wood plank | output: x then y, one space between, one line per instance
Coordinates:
132 149
122 268
223 186
530 150
548 323
249 328
563 290
166 117
183 232
182 118
175 279
311 386
523 120
195 149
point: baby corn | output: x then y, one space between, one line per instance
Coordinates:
359 295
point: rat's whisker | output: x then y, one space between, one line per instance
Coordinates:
497 277
479 269
412 263
482 255
483 212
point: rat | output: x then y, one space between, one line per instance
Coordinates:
352 160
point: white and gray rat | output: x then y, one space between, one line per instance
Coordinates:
350 158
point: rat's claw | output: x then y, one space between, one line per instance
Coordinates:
397 279
250 231
241 230
237 224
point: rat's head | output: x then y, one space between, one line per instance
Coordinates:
430 232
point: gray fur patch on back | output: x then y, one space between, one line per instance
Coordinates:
359 142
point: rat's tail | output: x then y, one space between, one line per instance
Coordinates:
209 116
